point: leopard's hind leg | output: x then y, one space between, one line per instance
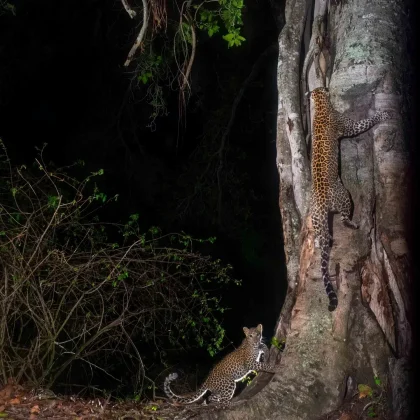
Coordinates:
223 395
341 202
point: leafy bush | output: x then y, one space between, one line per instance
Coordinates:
69 295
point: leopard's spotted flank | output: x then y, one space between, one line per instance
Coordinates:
328 193
221 381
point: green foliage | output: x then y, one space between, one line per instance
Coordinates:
248 379
165 56
279 344
378 404
144 77
150 68
53 201
208 22
152 72
6 7
233 38
371 411
72 296
187 30
228 14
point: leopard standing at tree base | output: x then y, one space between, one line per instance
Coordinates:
221 381
328 193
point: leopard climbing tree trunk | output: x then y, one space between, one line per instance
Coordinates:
357 49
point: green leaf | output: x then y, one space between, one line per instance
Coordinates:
53 201
144 77
228 37
213 30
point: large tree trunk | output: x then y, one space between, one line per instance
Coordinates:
369 334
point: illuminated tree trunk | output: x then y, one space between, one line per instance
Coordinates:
357 47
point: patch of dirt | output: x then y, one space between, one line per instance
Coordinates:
22 403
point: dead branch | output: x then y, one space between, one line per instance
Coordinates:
140 36
132 13
74 292
186 75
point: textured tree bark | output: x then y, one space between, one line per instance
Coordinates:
370 332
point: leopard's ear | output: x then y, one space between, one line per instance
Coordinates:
259 328
246 331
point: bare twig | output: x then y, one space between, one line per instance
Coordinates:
73 292
132 13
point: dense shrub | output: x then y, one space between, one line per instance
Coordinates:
70 297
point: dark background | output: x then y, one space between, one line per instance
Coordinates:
62 82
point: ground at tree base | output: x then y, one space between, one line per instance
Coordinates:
23 403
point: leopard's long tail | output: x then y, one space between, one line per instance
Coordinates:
325 256
183 399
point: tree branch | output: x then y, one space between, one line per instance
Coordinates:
132 13
289 120
192 57
140 35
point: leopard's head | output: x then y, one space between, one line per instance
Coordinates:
253 335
